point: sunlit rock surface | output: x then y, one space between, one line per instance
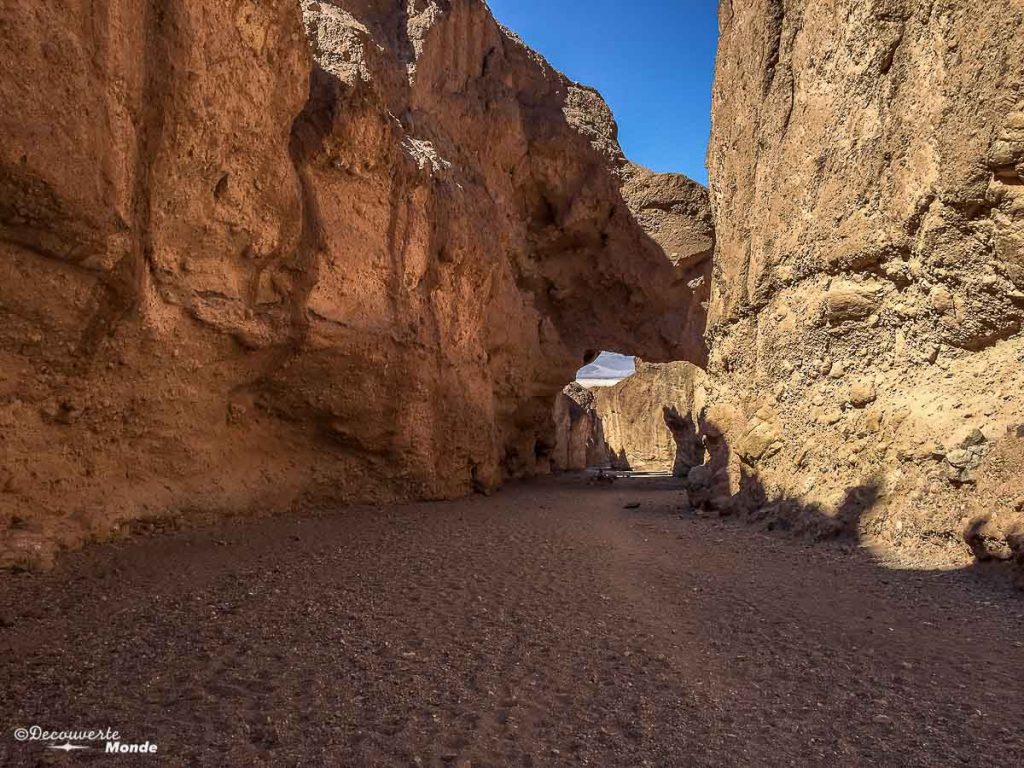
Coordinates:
259 254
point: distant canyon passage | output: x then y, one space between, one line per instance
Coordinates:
867 290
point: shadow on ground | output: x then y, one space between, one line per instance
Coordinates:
702 466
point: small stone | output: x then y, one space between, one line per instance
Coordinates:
959 458
899 416
942 300
1002 152
830 418
1014 122
958 475
755 444
67 413
632 505
837 371
699 477
850 302
975 439
988 539
862 394
236 413
873 421
898 271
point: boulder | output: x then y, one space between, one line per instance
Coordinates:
850 303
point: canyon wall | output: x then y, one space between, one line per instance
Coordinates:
256 254
675 212
649 421
867 179
579 437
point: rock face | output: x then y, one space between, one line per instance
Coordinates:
676 213
236 275
867 179
649 420
579 433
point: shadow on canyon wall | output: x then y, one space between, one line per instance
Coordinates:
752 499
705 462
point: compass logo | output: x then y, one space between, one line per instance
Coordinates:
67 747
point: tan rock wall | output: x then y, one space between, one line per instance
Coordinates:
579 436
866 174
235 276
649 420
675 212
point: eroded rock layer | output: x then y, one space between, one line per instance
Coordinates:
867 176
235 275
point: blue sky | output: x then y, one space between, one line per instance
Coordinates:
653 60
609 366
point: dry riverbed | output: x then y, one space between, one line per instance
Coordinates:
546 625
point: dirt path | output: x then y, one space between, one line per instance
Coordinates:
544 626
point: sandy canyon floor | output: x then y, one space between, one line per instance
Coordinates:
546 625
